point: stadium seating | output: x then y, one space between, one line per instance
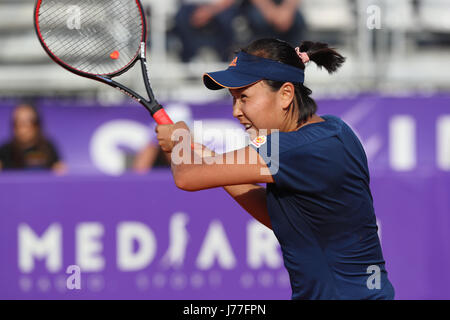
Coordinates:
24 67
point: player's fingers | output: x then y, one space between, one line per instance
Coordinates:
160 127
163 131
165 146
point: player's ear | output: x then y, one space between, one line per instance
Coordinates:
286 94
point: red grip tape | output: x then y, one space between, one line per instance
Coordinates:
161 117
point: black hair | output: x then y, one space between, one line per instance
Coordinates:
283 52
37 121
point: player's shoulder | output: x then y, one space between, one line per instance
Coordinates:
311 133
300 139
333 122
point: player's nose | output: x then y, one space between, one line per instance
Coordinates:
237 112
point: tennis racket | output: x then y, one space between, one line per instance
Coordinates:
99 40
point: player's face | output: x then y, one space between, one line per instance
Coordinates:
256 108
25 128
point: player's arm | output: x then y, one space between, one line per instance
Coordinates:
244 166
238 180
209 170
252 198
193 172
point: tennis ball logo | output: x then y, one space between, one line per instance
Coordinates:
259 141
74 17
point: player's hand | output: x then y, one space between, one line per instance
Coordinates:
169 135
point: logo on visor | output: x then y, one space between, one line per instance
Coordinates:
259 141
234 62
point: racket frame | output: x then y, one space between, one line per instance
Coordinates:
152 105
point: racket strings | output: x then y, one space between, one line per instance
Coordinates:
60 42
57 22
120 33
68 48
80 44
86 42
122 59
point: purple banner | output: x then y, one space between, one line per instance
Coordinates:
139 237
133 237
398 134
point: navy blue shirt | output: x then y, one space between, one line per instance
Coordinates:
321 210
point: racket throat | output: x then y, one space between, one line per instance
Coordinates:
143 50
146 76
152 105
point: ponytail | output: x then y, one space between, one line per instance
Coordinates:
322 55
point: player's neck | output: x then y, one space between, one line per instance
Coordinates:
313 119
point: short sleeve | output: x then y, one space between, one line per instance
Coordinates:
310 167
268 148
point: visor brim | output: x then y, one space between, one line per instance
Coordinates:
228 79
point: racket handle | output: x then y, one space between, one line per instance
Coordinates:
161 117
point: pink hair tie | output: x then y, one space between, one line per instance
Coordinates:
302 55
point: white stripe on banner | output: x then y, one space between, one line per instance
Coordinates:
443 143
402 146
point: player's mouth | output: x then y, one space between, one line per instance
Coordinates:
247 126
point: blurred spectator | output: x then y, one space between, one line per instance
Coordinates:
28 148
279 19
150 157
206 23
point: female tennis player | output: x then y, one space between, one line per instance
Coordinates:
317 198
